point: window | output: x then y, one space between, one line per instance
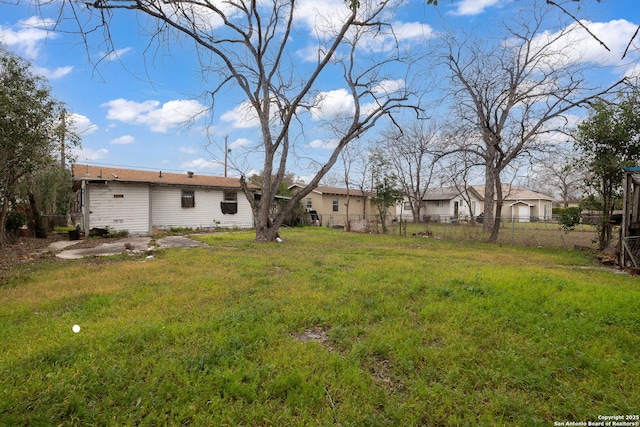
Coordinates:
336 206
439 203
188 199
309 204
230 196
229 203
407 206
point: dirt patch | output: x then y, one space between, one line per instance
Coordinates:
25 250
317 334
382 372
29 250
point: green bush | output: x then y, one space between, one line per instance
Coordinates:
15 221
569 218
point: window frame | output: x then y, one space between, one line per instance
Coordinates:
229 196
188 199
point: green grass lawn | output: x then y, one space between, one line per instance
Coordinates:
328 328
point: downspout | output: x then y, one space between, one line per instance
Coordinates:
86 212
150 227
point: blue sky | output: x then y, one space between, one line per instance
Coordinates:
130 107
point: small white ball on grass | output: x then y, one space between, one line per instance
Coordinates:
76 328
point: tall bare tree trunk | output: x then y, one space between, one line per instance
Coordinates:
4 213
489 193
38 227
498 202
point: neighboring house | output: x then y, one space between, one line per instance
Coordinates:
141 202
442 204
448 204
328 205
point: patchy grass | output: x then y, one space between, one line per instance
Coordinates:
327 328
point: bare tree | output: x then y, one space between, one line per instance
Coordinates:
460 169
351 158
413 152
512 94
558 176
249 44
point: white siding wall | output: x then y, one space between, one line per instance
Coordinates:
119 206
167 210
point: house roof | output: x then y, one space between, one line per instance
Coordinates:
510 192
444 193
323 189
82 172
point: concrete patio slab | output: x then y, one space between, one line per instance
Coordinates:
129 245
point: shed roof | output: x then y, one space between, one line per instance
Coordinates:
324 189
83 172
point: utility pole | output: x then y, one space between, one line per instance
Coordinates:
63 136
226 151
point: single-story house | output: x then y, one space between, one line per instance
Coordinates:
449 204
141 202
328 205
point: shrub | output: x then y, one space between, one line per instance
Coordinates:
569 218
15 221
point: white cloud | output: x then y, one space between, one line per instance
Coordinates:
332 104
174 113
308 53
159 118
329 144
116 54
320 16
323 19
411 30
81 125
473 7
387 87
242 116
200 164
84 154
400 33
128 111
633 72
53 74
578 46
558 129
240 143
27 35
339 103
123 140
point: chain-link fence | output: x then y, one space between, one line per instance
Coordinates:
532 232
548 234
